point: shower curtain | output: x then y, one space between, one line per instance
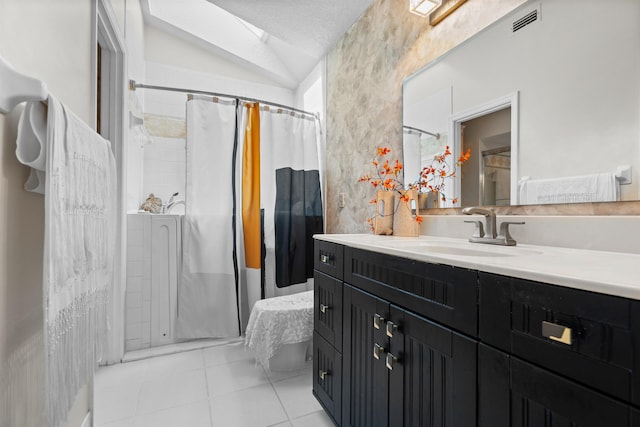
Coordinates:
208 291
291 199
253 205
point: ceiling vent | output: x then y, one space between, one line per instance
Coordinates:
527 19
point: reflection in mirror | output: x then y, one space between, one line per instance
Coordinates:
485 135
494 177
575 71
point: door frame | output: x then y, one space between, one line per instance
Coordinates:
455 129
106 31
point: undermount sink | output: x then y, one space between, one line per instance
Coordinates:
465 249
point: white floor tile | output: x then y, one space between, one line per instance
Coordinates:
192 415
234 376
173 363
121 423
317 419
219 386
115 403
296 397
172 390
253 407
275 376
146 369
222 354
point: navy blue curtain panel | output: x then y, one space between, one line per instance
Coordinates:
298 216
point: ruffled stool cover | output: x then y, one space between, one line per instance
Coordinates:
277 321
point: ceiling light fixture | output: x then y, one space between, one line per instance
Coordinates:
423 7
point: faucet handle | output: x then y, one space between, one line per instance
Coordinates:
504 232
479 228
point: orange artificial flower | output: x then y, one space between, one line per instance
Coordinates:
383 151
418 219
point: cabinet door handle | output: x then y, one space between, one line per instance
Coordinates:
556 332
323 375
325 259
391 361
377 350
391 328
324 308
377 320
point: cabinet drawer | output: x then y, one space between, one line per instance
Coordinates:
327 311
588 337
328 258
448 295
327 376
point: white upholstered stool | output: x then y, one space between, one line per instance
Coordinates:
280 330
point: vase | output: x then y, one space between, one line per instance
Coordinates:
384 213
404 219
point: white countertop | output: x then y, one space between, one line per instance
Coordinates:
611 273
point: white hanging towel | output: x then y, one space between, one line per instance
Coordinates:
603 187
79 242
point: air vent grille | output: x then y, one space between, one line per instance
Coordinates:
529 18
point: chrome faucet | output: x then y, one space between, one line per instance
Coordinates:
167 208
490 237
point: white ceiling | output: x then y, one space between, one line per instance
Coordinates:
299 32
313 25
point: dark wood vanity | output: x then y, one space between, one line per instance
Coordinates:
400 342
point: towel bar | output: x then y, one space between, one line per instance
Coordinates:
16 87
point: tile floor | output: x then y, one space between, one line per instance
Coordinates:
210 387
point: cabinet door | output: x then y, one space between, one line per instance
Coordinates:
432 373
365 377
514 393
327 376
327 312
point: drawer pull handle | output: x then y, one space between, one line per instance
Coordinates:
391 361
391 328
325 259
556 332
323 375
377 320
377 350
324 308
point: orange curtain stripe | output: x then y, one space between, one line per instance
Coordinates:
251 188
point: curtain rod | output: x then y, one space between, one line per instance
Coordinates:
133 86
435 135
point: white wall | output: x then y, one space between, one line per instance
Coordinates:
53 42
577 74
172 50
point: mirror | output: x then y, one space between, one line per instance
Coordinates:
547 99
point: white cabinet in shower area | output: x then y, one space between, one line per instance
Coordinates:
153 263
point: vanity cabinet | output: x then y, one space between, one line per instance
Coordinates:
401 342
402 369
327 323
552 355
399 365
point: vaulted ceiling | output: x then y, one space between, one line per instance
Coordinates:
281 39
